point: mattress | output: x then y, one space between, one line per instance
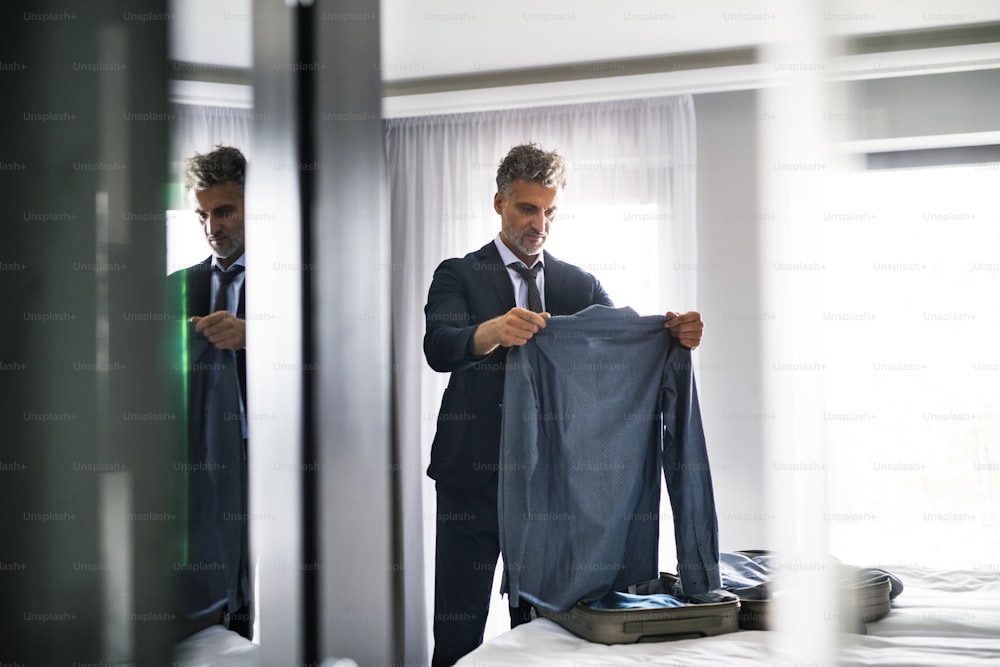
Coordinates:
941 619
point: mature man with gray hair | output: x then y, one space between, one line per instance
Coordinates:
215 568
478 307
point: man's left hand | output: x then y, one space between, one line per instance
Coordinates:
223 330
686 328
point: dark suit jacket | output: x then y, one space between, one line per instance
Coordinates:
216 570
197 301
464 293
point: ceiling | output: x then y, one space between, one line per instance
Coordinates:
441 38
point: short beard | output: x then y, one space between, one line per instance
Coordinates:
518 242
234 248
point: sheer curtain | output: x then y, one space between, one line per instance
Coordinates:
627 216
197 129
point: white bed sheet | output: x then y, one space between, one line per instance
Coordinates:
942 619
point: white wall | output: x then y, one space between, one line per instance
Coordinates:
431 38
211 33
728 297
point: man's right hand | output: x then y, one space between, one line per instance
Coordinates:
515 327
222 329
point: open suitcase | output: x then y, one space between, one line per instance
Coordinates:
869 593
743 605
718 614
869 600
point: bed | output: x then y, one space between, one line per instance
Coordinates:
942 619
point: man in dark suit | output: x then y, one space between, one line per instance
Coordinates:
216 568
477 307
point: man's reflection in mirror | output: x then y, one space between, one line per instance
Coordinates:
214 564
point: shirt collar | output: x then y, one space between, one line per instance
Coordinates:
508 257
241 261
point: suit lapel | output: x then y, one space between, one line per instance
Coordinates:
241 308
199 288
554 277
489 259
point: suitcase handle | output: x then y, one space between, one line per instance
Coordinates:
692 627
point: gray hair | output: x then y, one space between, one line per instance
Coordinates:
530 163
223 165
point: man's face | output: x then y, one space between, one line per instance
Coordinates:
526 214
220 210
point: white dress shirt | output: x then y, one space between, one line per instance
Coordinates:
508 257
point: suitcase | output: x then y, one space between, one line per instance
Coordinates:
870 595
869 602
869 592
655 624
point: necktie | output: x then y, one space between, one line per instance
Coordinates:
221 301
534 298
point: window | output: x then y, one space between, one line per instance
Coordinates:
186 243
618 244
911 323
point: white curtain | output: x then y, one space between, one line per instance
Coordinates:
627 215
198 129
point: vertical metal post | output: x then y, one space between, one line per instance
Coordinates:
359 608
277 373
318 346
